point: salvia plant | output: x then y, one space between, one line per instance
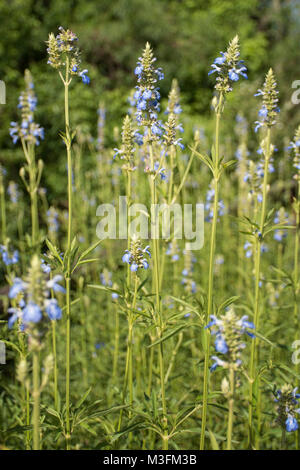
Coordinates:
143 342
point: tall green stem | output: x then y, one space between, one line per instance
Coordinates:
158 315
230 408
211 272
68 274
296 281
55 385
27 418
258 239
36 402
128 377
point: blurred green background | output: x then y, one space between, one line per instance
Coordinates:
186 36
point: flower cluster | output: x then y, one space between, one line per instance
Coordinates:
248 248
52 220
106 280
172 125
33 297
209 204
27 130
187 273
295 145
7 258
228 330
173 250
228 67
254 177
156 170
281 217
13 192
269 110
287 402
147 94
62 50
136 257
100 125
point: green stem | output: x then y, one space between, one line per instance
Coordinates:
116 348
296 281
27 418
254 344
68 274
128 377
211 274
230 408
55 386
283 439
158 315
36 402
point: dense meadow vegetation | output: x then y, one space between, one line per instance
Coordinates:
132 341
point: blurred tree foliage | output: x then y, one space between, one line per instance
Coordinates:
185 34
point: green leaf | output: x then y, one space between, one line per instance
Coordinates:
213 441
53 251
53 412
228 302
83 398
91 248
167 336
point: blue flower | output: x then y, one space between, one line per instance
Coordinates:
18 286
146 97
248 249
15 314
52 309
85 78
263 112
135 257
278 236
229 330
218 362
134 267
105 278
126 257
32 313
234 74
228 67
220 345
156 129
145 263
53 284
291 424
46 268
7 258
